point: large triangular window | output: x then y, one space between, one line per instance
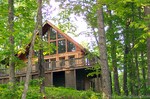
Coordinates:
61 43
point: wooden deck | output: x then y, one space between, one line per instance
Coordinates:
54 66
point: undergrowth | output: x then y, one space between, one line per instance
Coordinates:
50 92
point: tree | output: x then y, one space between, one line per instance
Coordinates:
40 55
29 66
38 29
147 13
11 40
113 54
125 67
106 89
126 40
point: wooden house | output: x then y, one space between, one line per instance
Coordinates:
65 66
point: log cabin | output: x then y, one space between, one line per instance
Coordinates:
64 66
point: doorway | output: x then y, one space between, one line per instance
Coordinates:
59 79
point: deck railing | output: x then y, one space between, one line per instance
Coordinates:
70 63
57 65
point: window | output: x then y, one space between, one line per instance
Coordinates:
60 36
53 46
70 47
61 46
53 34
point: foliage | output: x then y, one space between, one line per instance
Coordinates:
51 92
24 15
47 48
6 93
68 93
126 36
95 70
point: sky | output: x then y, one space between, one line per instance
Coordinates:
53 9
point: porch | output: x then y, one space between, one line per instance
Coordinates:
54 66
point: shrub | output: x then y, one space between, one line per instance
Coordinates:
51 92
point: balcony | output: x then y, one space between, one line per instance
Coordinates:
75 63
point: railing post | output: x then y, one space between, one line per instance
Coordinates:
53 64
50 66
67 64
36 67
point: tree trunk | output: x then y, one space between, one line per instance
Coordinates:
137 74
130 71
126 62
40 62
29 67
113 57
147 13
125 88
143 71
135 64
106 89
11 40
40 57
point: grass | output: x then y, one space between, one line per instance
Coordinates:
51 92
68 93
54 93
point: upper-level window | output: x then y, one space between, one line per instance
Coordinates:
53 34
71 47
61 46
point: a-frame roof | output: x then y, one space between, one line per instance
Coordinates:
45 28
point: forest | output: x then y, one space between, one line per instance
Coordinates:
120 31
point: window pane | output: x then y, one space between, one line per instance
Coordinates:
53 46
61 46
70 47
53 34
60 36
